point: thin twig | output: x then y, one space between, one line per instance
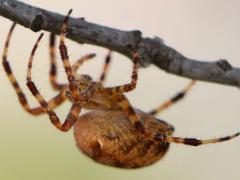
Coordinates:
152 50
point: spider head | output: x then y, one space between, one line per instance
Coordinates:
85 83
83 80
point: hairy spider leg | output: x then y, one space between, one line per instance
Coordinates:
80 61
115 92
74 111
173 100
53 69
87 57
53 66
108 59
54 102
193 141
129 112
73 87
132 85
123 102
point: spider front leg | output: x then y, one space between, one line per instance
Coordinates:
173 100
122 101
80 61
106 67
54 102
87 57
132 85
73 86
53 66
53 69
74 111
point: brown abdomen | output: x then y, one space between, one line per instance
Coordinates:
109 138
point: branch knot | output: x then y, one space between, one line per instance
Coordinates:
224 65
37 23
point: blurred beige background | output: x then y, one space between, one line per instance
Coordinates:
31 148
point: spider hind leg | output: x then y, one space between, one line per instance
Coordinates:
174 99
193 141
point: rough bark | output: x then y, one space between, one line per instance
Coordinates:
152 50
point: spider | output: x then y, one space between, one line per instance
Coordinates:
113 133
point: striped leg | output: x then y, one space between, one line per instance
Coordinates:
179 96
54 102
192 141
83 59
106 67
74 111
129 112
132 85
73 87
53 68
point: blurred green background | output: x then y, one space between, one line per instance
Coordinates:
31 148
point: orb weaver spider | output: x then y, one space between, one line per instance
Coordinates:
113 133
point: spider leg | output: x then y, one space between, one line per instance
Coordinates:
193 141
129 112
54 102
73 87
83 59
74 111
132 85
53 69
87 57
53 66
179 96
105 67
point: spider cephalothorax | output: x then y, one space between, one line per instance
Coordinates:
113 133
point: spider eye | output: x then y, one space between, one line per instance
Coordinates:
68 94
86 77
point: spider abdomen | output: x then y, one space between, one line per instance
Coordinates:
109 138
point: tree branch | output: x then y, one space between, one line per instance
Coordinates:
152 50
